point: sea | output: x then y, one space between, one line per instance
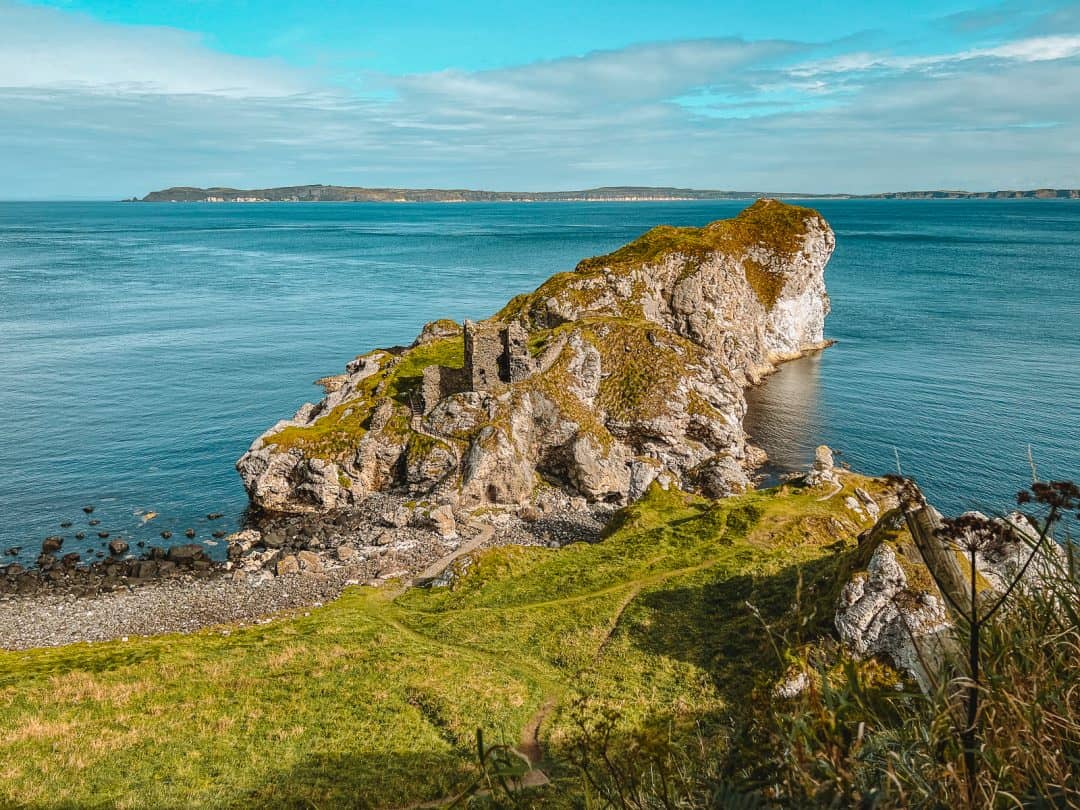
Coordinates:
144 346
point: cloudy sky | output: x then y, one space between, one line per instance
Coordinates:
105 99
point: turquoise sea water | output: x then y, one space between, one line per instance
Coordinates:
143 347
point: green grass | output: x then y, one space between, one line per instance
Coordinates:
336 435
768 225
373 700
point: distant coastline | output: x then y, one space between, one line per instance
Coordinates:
323 193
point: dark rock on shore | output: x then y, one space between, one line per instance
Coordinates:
186 553
68 576
52 544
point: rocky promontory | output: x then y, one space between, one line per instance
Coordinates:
629 369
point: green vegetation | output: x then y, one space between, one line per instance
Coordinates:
767 225
644 366
335 436
374 700
849 741
771 224
449 352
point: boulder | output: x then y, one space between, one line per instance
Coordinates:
242 542
118 547
722 476
443 522
891 608
288 564
822 471
185 554
884 613
51 544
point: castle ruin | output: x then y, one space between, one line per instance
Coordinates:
493 356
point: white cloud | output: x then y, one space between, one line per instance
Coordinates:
108 111
48 48
1032 49
637 73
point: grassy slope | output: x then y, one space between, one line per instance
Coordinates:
373 701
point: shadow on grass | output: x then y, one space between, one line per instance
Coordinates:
362 782
718 624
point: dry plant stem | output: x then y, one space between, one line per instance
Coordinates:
927 532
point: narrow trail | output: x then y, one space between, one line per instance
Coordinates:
436 568
644 581
827 495
416 424
529 744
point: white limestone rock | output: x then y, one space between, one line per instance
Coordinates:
628 370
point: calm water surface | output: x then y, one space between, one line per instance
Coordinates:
143 347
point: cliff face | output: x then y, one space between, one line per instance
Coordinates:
627 369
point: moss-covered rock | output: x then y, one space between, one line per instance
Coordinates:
631 367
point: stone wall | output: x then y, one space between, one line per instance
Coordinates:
438 383
483 351
518 363
492 356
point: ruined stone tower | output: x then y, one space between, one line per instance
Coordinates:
518 363
494 355
483 351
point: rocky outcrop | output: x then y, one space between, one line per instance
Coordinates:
628 369
891 608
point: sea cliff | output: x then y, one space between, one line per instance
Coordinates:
629 369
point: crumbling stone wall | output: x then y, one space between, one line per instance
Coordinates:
438 383
517 362
483 351
492 356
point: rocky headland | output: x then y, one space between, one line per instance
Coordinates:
629 369
528 428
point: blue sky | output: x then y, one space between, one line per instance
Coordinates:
101 99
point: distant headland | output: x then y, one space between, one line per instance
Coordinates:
322 193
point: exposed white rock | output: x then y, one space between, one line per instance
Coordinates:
880 615
893 609
823 471
637 374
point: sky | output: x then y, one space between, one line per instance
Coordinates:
102 99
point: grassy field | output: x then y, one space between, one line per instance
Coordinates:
374 700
